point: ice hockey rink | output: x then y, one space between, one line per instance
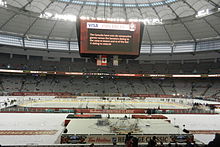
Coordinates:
30 128
109 104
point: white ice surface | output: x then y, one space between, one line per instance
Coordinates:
197 122
30 121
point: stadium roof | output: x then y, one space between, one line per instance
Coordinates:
165 20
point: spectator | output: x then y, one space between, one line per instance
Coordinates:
152 142
128 140
114 141
189 144
194 144
176 144
169 145
161 144
134 142
65 130
215 142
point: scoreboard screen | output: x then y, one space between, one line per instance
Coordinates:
109 38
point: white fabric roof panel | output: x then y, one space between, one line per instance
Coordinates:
198 27
182 9
72 9
148 13
165 12
133 13
18 24
145 36
62 29
101 11
56 8
200 4
178 32
41 27
88 11
214 21
17 3
158 33
4 16
118 13
38 6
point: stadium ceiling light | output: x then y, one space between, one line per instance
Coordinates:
64 17
68 17
46 15
3 3
203 13
153 21
148 21
83 17
110 19
121 19
101 18
92 18
134 20
112 4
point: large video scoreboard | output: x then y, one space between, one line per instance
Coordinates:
109 38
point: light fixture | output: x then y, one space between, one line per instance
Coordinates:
203 13
3 3
113 4
148 21
64 17
46 15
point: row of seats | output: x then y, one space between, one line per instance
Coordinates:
103 85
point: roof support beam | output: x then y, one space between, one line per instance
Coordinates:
111 11
4 24
72 31
213 3
211 26
125 11
104 9
163 25
96 10
147 32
